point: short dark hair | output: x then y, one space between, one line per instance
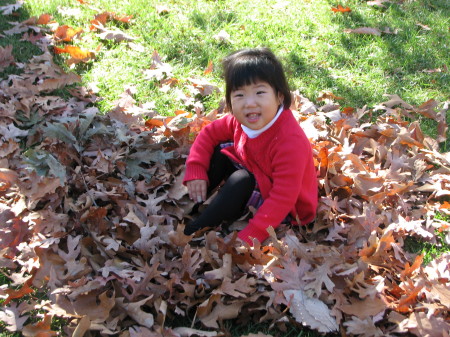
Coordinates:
247 66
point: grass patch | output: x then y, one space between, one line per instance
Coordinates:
318 54
429 250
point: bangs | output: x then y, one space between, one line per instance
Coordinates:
249 71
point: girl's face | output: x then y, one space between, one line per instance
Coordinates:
255 105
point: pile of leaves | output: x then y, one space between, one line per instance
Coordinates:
92 214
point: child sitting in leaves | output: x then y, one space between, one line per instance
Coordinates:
259 151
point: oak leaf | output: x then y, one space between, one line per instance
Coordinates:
134 310
310 311
364 30
9 9
66 33
116 35
341 9
6 57
40 329
12 317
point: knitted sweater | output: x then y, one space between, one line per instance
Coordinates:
280 159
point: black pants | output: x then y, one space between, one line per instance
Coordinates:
231 198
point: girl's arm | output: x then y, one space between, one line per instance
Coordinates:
292 169
197 163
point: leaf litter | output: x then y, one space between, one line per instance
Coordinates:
93 210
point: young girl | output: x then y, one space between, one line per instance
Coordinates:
259 150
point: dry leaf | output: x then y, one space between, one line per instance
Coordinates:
341 9
364 30
310 311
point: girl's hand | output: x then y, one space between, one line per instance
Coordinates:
197 189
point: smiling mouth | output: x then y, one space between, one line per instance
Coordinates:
252 117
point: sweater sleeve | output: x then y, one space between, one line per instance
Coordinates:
197 163
288 166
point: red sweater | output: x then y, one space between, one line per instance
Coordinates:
280 159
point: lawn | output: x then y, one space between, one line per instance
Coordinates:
409 57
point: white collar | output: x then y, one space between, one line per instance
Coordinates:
255 133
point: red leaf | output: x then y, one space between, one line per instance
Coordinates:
209 68
19 293
44 19
77 53
40 329
410 269
66 33
341 9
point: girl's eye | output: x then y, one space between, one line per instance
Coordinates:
261 92
238 95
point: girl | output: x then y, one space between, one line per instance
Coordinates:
259 150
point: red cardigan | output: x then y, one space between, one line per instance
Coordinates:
280 159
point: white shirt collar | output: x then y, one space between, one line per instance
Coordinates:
255 133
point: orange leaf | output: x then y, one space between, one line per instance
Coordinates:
100 19
124 19
19 293
66 33
409 299
445 205
154 123
407 272
76 53
58 50
181 112
82 2
209 68
341 9
348 110
44 19
323 158
40 329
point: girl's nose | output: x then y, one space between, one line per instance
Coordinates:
250 101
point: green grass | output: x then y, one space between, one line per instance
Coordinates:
317 53
429 250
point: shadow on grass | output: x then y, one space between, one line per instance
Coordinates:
22 50
402 61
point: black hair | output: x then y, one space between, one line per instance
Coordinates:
247 66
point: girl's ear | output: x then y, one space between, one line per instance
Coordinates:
280 98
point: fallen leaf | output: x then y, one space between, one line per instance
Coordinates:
341 9
310 311
364 30
6 57
40 329
66 33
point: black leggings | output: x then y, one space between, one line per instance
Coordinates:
232 197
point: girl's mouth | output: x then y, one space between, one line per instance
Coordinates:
252 117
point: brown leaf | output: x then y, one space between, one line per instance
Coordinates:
378 3
116 35
134 310
12 317
364 30
365 308
6 57
40 329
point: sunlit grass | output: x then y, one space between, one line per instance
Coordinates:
318 54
